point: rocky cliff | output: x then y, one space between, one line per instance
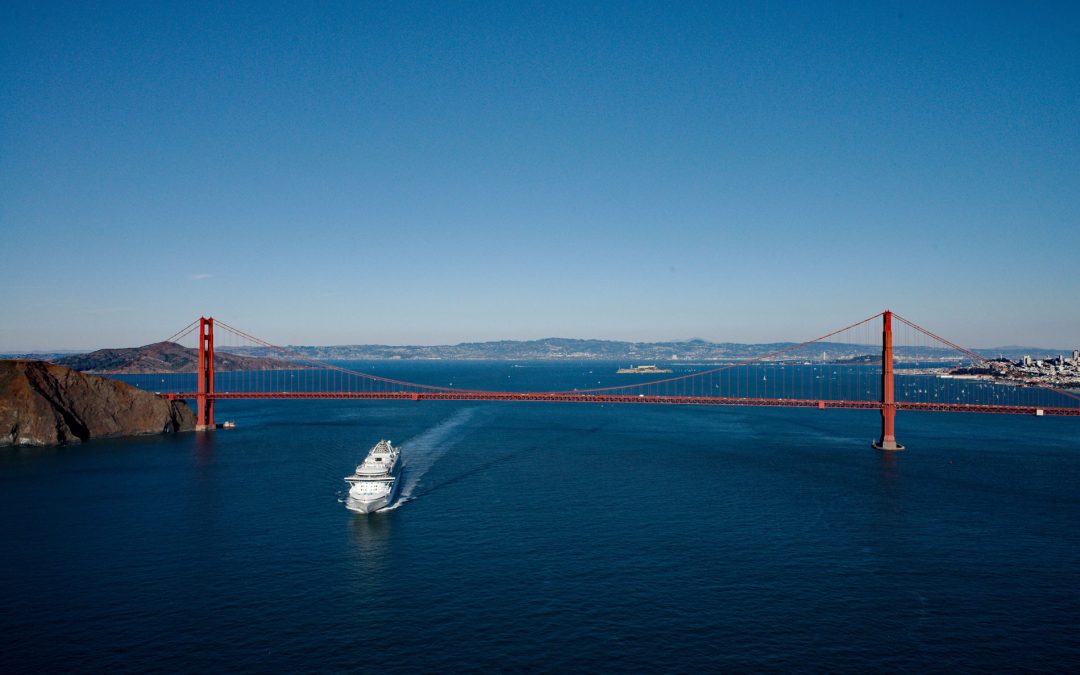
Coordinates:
46 404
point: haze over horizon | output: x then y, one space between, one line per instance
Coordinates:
416 174
1036 351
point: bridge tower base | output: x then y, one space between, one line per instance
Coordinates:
888 402
204 405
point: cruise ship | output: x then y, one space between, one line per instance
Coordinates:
374 484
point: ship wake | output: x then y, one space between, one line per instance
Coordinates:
419 454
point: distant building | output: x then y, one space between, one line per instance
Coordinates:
1027 360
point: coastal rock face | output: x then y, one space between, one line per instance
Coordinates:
45 404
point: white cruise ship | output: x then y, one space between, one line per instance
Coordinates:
374 484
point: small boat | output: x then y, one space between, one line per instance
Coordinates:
374 484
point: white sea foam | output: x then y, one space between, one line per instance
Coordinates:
419 454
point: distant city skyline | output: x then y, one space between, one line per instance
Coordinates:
418 174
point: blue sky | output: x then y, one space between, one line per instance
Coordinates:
428 173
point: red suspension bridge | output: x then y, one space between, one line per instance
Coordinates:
884 362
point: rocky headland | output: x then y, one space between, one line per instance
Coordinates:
46 404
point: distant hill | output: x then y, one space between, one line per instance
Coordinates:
38 356
167 357
163 357
536 350
617 350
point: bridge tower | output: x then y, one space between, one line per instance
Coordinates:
888 403
204 406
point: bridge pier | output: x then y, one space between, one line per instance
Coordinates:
887 441
204 405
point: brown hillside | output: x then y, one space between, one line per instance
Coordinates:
46 404
163 357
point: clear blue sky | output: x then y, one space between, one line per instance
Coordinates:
428 173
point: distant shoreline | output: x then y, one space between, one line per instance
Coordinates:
574 349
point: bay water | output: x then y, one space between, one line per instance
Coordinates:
547 537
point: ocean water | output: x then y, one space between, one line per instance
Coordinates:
547 537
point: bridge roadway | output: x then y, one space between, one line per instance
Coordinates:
570 397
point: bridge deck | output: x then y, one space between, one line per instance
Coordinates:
569 397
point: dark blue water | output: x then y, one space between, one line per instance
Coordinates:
757 380
548 537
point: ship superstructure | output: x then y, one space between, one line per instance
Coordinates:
374 484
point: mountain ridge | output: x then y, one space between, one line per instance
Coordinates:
165 357
620 350
162 357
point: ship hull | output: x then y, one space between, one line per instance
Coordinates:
367 505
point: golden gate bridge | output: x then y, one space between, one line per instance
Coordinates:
791 377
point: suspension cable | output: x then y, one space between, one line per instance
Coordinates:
298 357
763 357
182 332
983 359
